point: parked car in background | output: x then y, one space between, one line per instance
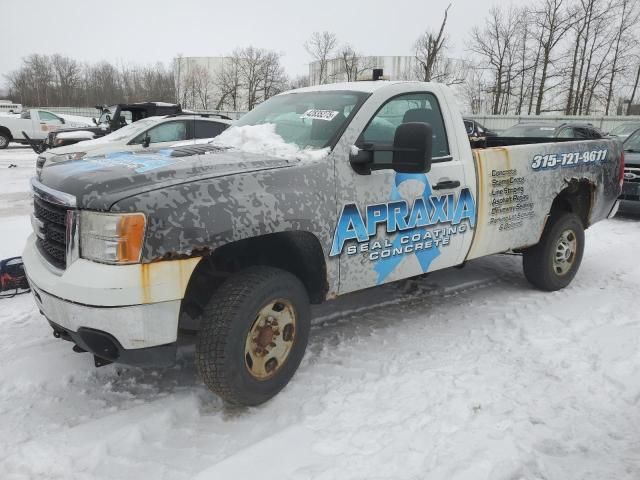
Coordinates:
625 129
7 106
33 124
631 185
476 131
109 120
553 130
152 132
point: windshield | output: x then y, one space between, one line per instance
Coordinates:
107 112
130 130
625 129
307 120
529 131
632 143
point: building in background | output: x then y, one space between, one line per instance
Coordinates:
361 67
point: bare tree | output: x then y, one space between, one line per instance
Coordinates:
430 48
298 82
228 83
633 91
628 13
273 79
553 22
321 46
351 64
495 45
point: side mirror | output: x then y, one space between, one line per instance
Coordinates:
95 122
146 141
412 148
62 120
410 152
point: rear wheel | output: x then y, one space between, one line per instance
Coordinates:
4 140
253 335
551 264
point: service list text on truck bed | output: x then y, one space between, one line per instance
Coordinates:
318 192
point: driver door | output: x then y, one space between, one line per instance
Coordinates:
395 225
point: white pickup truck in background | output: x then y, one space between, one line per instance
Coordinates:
36 124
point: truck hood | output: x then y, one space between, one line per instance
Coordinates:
100 181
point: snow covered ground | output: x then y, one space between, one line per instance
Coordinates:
465 374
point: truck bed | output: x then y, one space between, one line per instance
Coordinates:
490 142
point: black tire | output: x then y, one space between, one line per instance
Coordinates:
4 140
228 319
542 268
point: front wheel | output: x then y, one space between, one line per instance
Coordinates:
4 140
253 335
551 264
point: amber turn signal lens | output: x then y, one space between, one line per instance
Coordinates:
130 236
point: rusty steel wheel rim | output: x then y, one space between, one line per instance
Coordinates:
565 253
270 339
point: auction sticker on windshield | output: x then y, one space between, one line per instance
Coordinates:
314 114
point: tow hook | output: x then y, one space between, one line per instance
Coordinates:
100 362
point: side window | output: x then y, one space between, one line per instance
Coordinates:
204 129
582 133
166 132
412 107
47 116
566 132
469 126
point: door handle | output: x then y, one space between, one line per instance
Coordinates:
447 184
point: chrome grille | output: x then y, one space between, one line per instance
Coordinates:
54 221
52 235
632 174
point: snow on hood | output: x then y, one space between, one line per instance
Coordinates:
75 119
84 134
263 139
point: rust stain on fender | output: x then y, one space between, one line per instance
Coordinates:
170 278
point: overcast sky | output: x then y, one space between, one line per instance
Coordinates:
145 31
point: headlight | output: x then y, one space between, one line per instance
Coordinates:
112 237
68 156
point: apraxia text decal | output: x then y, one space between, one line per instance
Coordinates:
421 227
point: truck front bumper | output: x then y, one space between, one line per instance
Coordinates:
126 313
103 331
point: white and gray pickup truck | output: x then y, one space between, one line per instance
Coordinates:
35 123
317 192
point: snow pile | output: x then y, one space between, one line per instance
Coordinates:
83 134
263 139
76 119
460 375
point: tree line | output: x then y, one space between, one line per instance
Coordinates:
572 57
240 81
61 81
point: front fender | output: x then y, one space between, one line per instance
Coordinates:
195 218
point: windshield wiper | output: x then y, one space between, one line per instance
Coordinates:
632 150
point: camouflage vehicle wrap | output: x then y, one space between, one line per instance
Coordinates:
212 211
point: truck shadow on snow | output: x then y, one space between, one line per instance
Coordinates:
353 316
